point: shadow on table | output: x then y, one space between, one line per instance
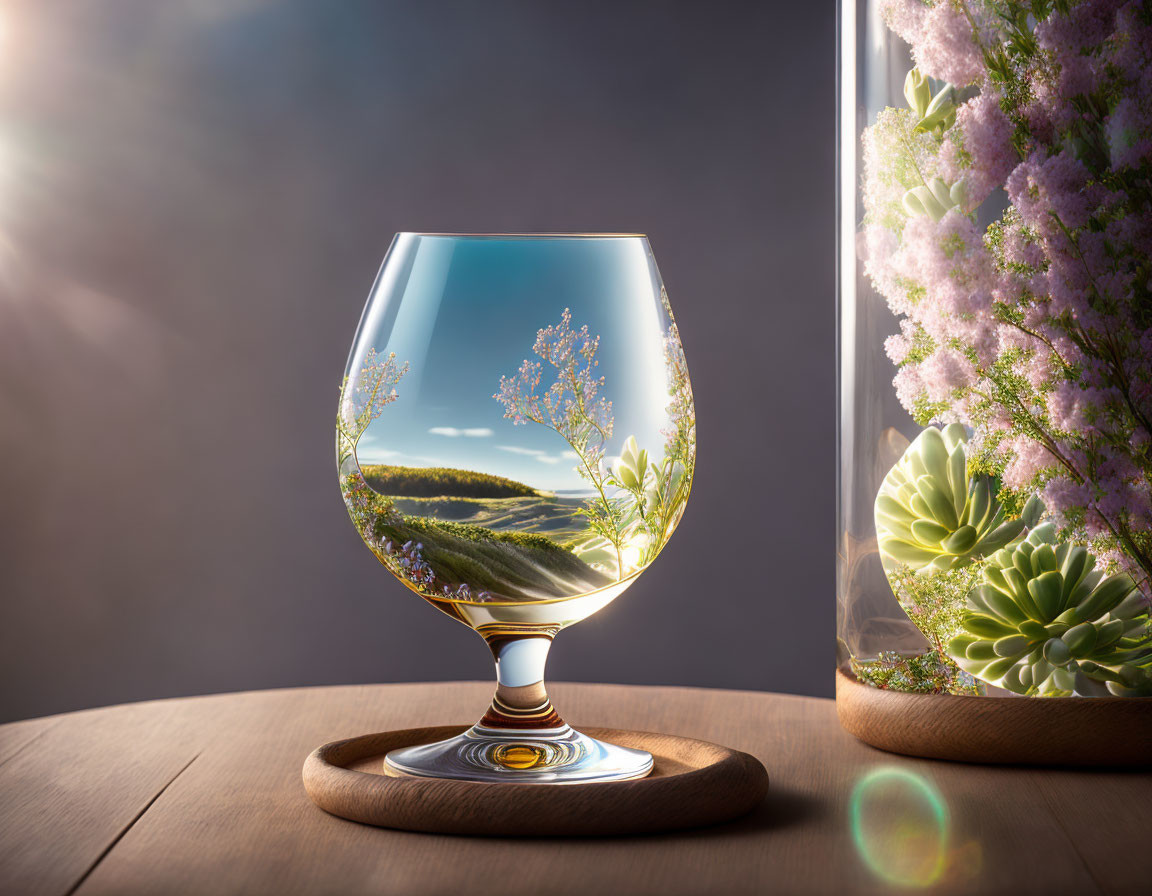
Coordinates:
780 809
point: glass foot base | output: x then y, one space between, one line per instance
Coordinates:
552 756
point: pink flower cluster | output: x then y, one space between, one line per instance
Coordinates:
680 436
365 395
1035 331
943 42
572 405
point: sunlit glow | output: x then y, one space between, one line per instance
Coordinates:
900 825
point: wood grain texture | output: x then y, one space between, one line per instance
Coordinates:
237 820
1101 732
77 784
693 784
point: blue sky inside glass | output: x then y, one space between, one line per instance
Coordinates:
463 312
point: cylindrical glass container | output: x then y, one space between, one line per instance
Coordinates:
995 350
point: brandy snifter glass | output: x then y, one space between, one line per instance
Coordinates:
516 441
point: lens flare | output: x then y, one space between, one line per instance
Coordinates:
900 826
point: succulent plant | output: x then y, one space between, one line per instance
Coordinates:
932 516
1045 621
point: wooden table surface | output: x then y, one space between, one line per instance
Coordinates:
203 795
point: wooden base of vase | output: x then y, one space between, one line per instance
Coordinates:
694 783
1104 732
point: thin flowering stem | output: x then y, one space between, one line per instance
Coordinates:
1113 353
912 156
572 407
1039 433
364 397
1040 338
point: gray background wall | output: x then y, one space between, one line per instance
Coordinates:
194 198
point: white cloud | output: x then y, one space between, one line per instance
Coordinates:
543 456
516 449
452 432
370 455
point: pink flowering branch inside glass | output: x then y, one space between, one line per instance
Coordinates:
364 397
675 473
573 407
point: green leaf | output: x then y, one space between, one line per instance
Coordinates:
961 541
1001 535
929 447
1108 633
995 670
895 527
1073 568
938 501
627 477
630 451
917 92
940 191
1057 652
1045 591
1044 560
958 195
1081 639
986 626
1001 604
920 506
980 650
1033 629
958 481
920 201
1032 511
902 552
979 504
1010 645
893 508
1106 596
929 533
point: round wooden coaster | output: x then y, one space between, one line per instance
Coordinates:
694 783
1105 732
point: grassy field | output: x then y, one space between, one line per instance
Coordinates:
510 565
554 517
491 533
431 482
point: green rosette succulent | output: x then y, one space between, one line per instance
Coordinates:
931 516
1045 622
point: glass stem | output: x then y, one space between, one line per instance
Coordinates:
521 702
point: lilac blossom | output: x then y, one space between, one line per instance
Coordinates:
572 407
1036 331
363 397
408 562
